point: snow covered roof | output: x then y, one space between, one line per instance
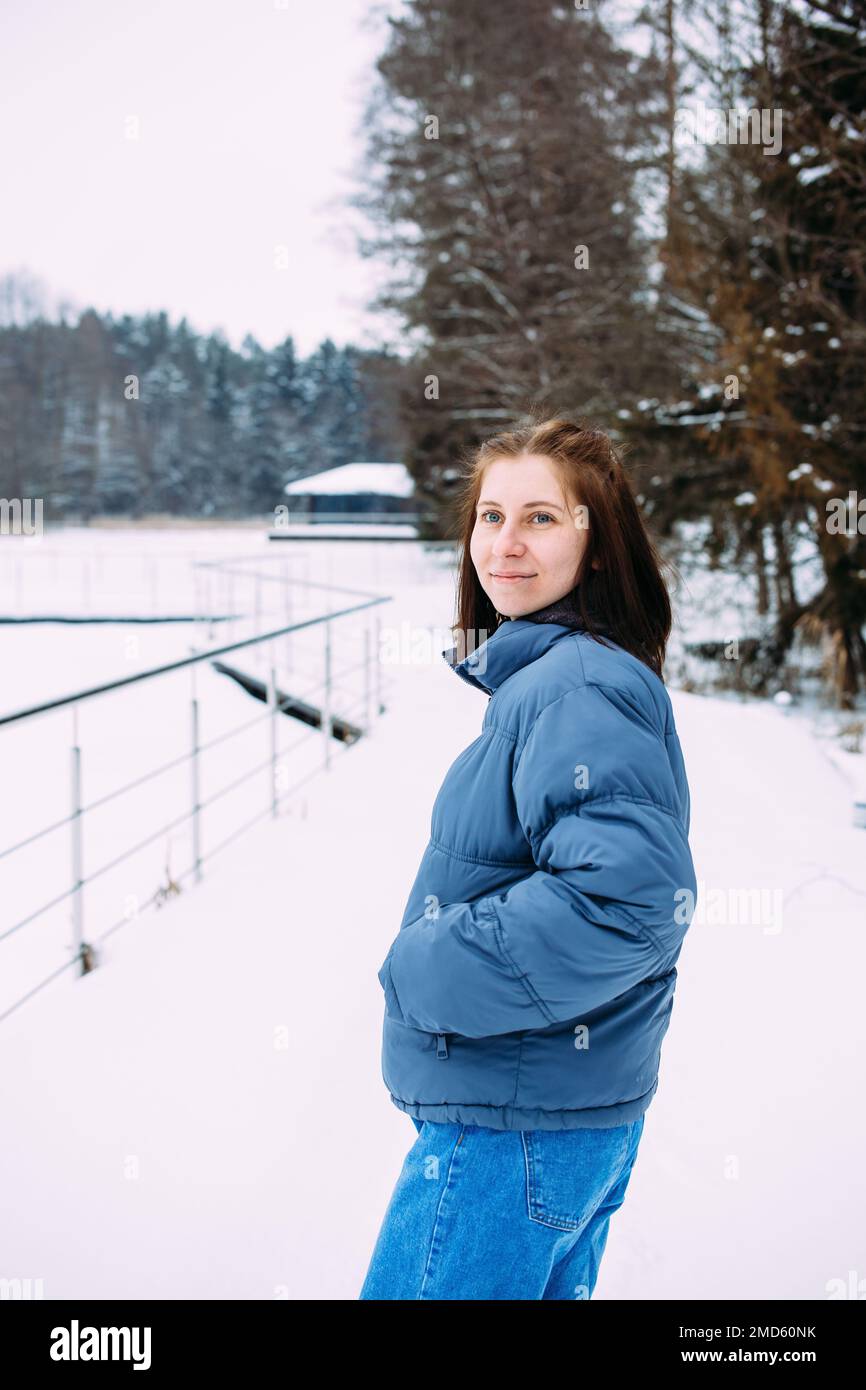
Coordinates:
391 479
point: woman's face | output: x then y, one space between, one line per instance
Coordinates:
525 527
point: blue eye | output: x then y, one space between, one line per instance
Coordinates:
546 515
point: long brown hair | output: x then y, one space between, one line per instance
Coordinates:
626 594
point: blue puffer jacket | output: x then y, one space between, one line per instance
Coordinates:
531 982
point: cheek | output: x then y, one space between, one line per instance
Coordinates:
570 547
577 542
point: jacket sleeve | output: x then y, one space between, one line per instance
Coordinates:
606 906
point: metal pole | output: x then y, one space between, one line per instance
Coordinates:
377 668
196 805
326 697
287 592
209 599
272 701
75 827
368 721
196 605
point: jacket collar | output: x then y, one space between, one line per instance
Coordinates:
514 644
566 611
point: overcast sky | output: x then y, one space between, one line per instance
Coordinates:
249 116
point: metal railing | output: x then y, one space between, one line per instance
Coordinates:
89 581
371 700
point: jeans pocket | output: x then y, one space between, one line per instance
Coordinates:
570 1171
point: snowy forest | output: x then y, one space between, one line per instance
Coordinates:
558 231
136 417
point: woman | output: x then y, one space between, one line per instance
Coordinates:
531 982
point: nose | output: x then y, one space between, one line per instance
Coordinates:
507 542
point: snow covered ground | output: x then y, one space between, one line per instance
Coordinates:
203 1116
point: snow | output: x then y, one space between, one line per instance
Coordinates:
316 530
817 171
390 479
203 1115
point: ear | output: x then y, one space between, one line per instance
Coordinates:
596 564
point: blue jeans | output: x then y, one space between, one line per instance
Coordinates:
501 1214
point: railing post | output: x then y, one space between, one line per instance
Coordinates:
326 696
209 602
368 721
196 805
272 701
287 594
77 860
377 667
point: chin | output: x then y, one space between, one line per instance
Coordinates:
513 610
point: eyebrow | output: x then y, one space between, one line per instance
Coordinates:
554 506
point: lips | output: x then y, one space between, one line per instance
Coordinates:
512 576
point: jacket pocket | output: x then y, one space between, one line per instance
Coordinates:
392 1003
569 1172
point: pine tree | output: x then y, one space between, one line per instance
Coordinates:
770 250
509 155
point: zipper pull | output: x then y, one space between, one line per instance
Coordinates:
441 1045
